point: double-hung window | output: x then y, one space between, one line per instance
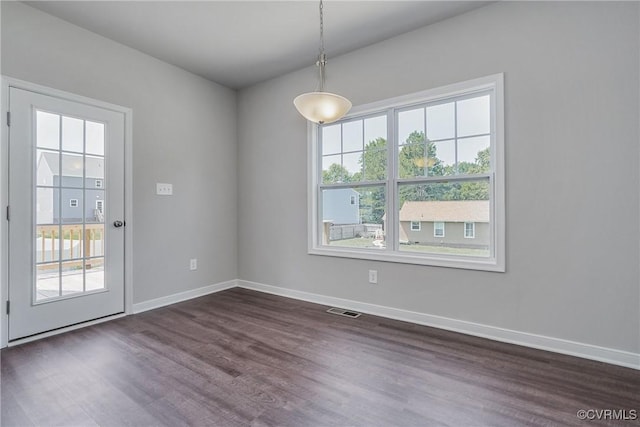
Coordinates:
433 158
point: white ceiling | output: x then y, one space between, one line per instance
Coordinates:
239 43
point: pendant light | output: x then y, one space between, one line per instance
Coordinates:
322 107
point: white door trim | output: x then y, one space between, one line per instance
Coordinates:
4 190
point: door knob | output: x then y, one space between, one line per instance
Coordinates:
118 224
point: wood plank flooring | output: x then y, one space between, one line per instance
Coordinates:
243 358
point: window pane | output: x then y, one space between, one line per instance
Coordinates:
352 163
94 167
94 270
375 128
358 225
474 155
72 170
47 243
72 277
94 240
96 206
95 138
47 130
331 142
70 214
443 209
72 241
332 170
375 163
72 134
474 116
47 281
47 167
412 159
410 126
352 136
47 203
441 121
442 158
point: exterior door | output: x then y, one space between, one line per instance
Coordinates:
66 217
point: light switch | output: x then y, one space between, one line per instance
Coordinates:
164 189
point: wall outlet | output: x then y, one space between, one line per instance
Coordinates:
373 276
193 264
163 189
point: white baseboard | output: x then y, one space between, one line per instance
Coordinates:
182 296
557 345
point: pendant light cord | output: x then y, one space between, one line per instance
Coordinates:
322 58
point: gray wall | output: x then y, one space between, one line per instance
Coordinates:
184 133
571 73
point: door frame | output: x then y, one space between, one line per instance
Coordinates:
6 83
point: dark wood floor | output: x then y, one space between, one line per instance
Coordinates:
240 358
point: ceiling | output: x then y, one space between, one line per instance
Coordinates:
240 43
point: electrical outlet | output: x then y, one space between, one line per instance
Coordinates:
373 276
193 264
163 189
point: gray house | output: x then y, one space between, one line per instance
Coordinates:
341 206
455 223
67 195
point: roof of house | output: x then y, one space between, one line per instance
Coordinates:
446 211
72 165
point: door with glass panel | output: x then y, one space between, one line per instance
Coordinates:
66 198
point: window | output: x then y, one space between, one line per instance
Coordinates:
469 230
353 200
98 183
73 203
435 155
100 206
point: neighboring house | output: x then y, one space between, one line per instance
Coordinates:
70 198
341 206
457 223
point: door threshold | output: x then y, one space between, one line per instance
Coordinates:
64 329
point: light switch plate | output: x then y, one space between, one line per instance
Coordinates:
163 189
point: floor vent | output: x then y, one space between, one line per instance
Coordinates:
343 312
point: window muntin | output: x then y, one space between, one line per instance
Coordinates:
447 146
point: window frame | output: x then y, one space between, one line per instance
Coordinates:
473 230
418 228
390 107
72 205
436 228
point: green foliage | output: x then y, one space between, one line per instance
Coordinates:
336 173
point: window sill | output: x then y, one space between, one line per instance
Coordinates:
468 263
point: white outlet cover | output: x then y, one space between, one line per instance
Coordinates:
163 189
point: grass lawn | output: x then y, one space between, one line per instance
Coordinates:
363 242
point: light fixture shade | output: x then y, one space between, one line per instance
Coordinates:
322 107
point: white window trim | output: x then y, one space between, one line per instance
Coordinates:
473 230
99 203
419 228
436 228
71 205
497 261
98 183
